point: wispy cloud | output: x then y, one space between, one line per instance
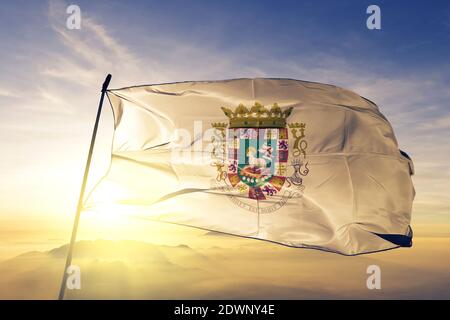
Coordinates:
439 123
87 52
8 93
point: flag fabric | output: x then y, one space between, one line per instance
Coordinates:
293 162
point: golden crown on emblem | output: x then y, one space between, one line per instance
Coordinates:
257 116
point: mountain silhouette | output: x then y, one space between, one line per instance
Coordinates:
129 269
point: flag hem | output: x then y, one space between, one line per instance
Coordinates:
302 246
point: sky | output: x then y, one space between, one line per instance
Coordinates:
50 78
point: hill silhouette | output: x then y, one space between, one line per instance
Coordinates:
138 270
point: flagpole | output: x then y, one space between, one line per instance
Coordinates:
83 189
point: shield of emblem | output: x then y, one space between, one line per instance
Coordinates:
257 158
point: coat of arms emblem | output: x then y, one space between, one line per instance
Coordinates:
251 154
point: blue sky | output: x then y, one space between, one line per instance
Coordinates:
50 76
292 27
414 34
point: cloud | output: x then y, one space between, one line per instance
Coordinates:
439 123
137 270
86 53
8 93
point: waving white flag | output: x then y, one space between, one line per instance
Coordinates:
293 162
